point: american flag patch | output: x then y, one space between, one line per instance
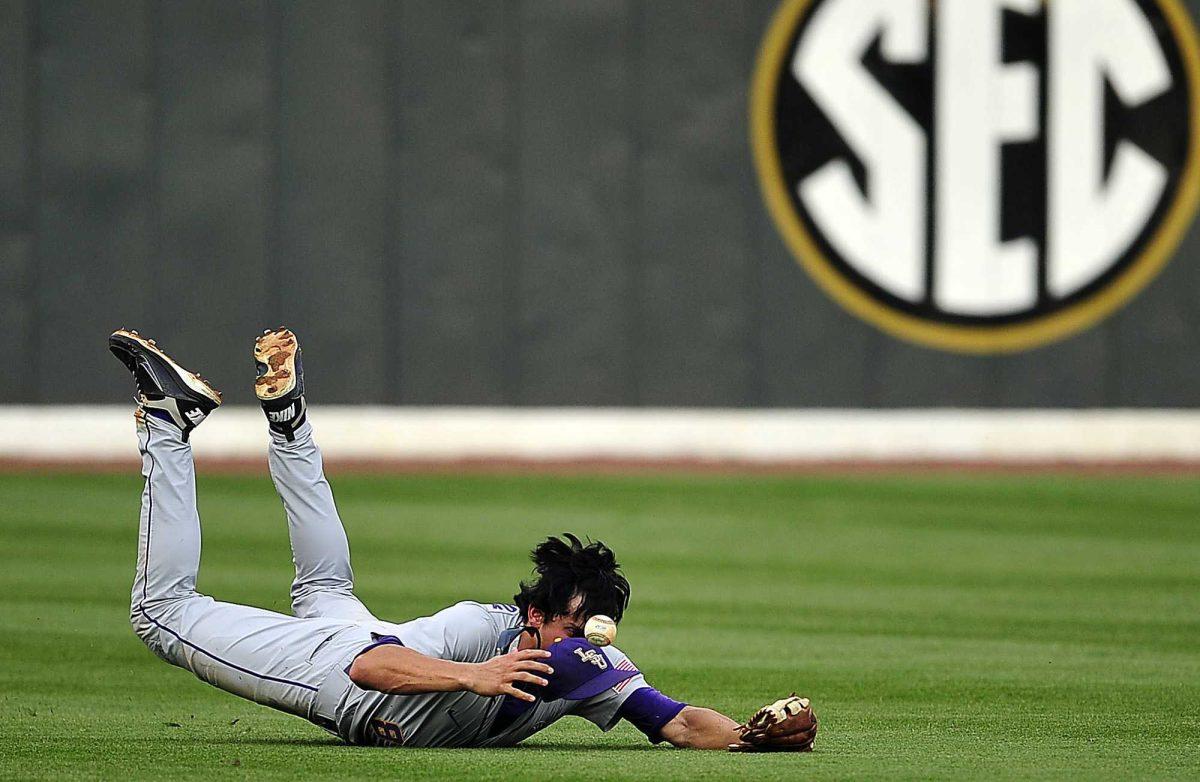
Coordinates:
624 665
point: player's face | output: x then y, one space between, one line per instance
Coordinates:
558 627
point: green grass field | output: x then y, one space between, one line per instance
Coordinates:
944 627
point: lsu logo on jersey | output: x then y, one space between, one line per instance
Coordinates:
592 656
979 175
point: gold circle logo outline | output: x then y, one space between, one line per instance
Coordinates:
1009 338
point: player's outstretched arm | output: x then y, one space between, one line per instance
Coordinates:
398 670
700 728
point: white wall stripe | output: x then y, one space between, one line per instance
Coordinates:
447 434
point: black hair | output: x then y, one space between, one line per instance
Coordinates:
565 567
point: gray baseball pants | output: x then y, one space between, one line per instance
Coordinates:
271 658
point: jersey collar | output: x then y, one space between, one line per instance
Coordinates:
509 638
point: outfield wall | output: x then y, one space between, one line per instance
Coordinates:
526 203
778 437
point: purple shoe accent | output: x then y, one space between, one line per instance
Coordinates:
161 415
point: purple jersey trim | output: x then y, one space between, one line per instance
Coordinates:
649 710
209 654
380 640
376 640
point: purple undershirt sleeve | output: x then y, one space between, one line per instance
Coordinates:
649 710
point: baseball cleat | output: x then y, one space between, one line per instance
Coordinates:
165 390
280 382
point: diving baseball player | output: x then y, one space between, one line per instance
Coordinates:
471 675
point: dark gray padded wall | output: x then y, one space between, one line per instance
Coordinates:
575 294
214 158
18 259
95 227
526 202
690 209
330 260
454 204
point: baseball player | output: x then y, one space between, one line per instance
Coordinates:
473 674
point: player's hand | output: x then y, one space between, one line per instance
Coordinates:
499 675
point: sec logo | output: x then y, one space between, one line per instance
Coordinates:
979 175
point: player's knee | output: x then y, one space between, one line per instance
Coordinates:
146 630
142 627
326 599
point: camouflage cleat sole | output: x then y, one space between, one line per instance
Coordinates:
280 382
275 359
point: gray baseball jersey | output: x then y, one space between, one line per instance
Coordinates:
299 664
474 632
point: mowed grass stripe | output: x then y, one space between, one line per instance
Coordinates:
945 626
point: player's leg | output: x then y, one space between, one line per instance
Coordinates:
169 532
263 656
260 655
171 403
324 582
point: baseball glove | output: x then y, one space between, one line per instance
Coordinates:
787 725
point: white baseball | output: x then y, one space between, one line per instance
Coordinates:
600 630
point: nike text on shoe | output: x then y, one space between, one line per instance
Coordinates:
165 390
280 382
